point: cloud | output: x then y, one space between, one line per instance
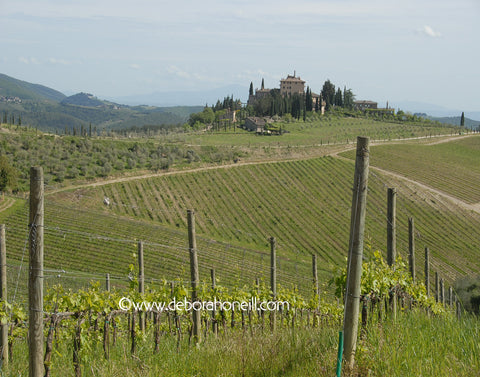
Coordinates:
58 61
134 66
174 70
24 60
429 32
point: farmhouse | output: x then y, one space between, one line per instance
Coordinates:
372 108
257 124
363 105
318 104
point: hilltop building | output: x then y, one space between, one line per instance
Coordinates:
259 94
292 85
364 105
289 86
372 107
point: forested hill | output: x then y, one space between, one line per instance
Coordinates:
11 87
37 106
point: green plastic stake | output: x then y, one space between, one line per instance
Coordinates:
340 354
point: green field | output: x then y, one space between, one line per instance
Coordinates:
324 130
304 204
302 200
450 167
416 344
293 188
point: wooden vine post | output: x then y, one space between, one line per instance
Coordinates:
316 290
427 271
411 247
3 295
106 337
214 320
194 274
442 292
355 253
392 240
391 226
35 276
273 280
141 284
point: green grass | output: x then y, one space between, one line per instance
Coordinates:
416 344
422 345
450 167
324 130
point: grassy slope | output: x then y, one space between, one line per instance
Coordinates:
305 204
451 167
325 130
416 344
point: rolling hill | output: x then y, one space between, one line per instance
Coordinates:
40 107
304 203
11 87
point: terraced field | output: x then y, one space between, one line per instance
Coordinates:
325 130
451 167
304 204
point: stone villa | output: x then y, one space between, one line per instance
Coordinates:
288 86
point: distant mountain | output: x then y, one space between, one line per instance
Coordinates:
186 98
11 87
86 99
49 110
469 123
435 110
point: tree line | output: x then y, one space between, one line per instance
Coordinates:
298 104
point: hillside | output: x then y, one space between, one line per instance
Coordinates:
86 99
469 123
304 203
11 87
450 167
46 109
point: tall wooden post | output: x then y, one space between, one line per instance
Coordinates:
437 287
141 284
411 247
442 292
355 253
316 290
35 278
273 279
450 296
391 226
194 274
107 282
214 320
427 271
3 295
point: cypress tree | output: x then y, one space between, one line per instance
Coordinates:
250 91
462 119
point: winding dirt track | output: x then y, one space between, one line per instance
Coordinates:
335 153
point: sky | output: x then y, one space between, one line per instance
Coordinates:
384 50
